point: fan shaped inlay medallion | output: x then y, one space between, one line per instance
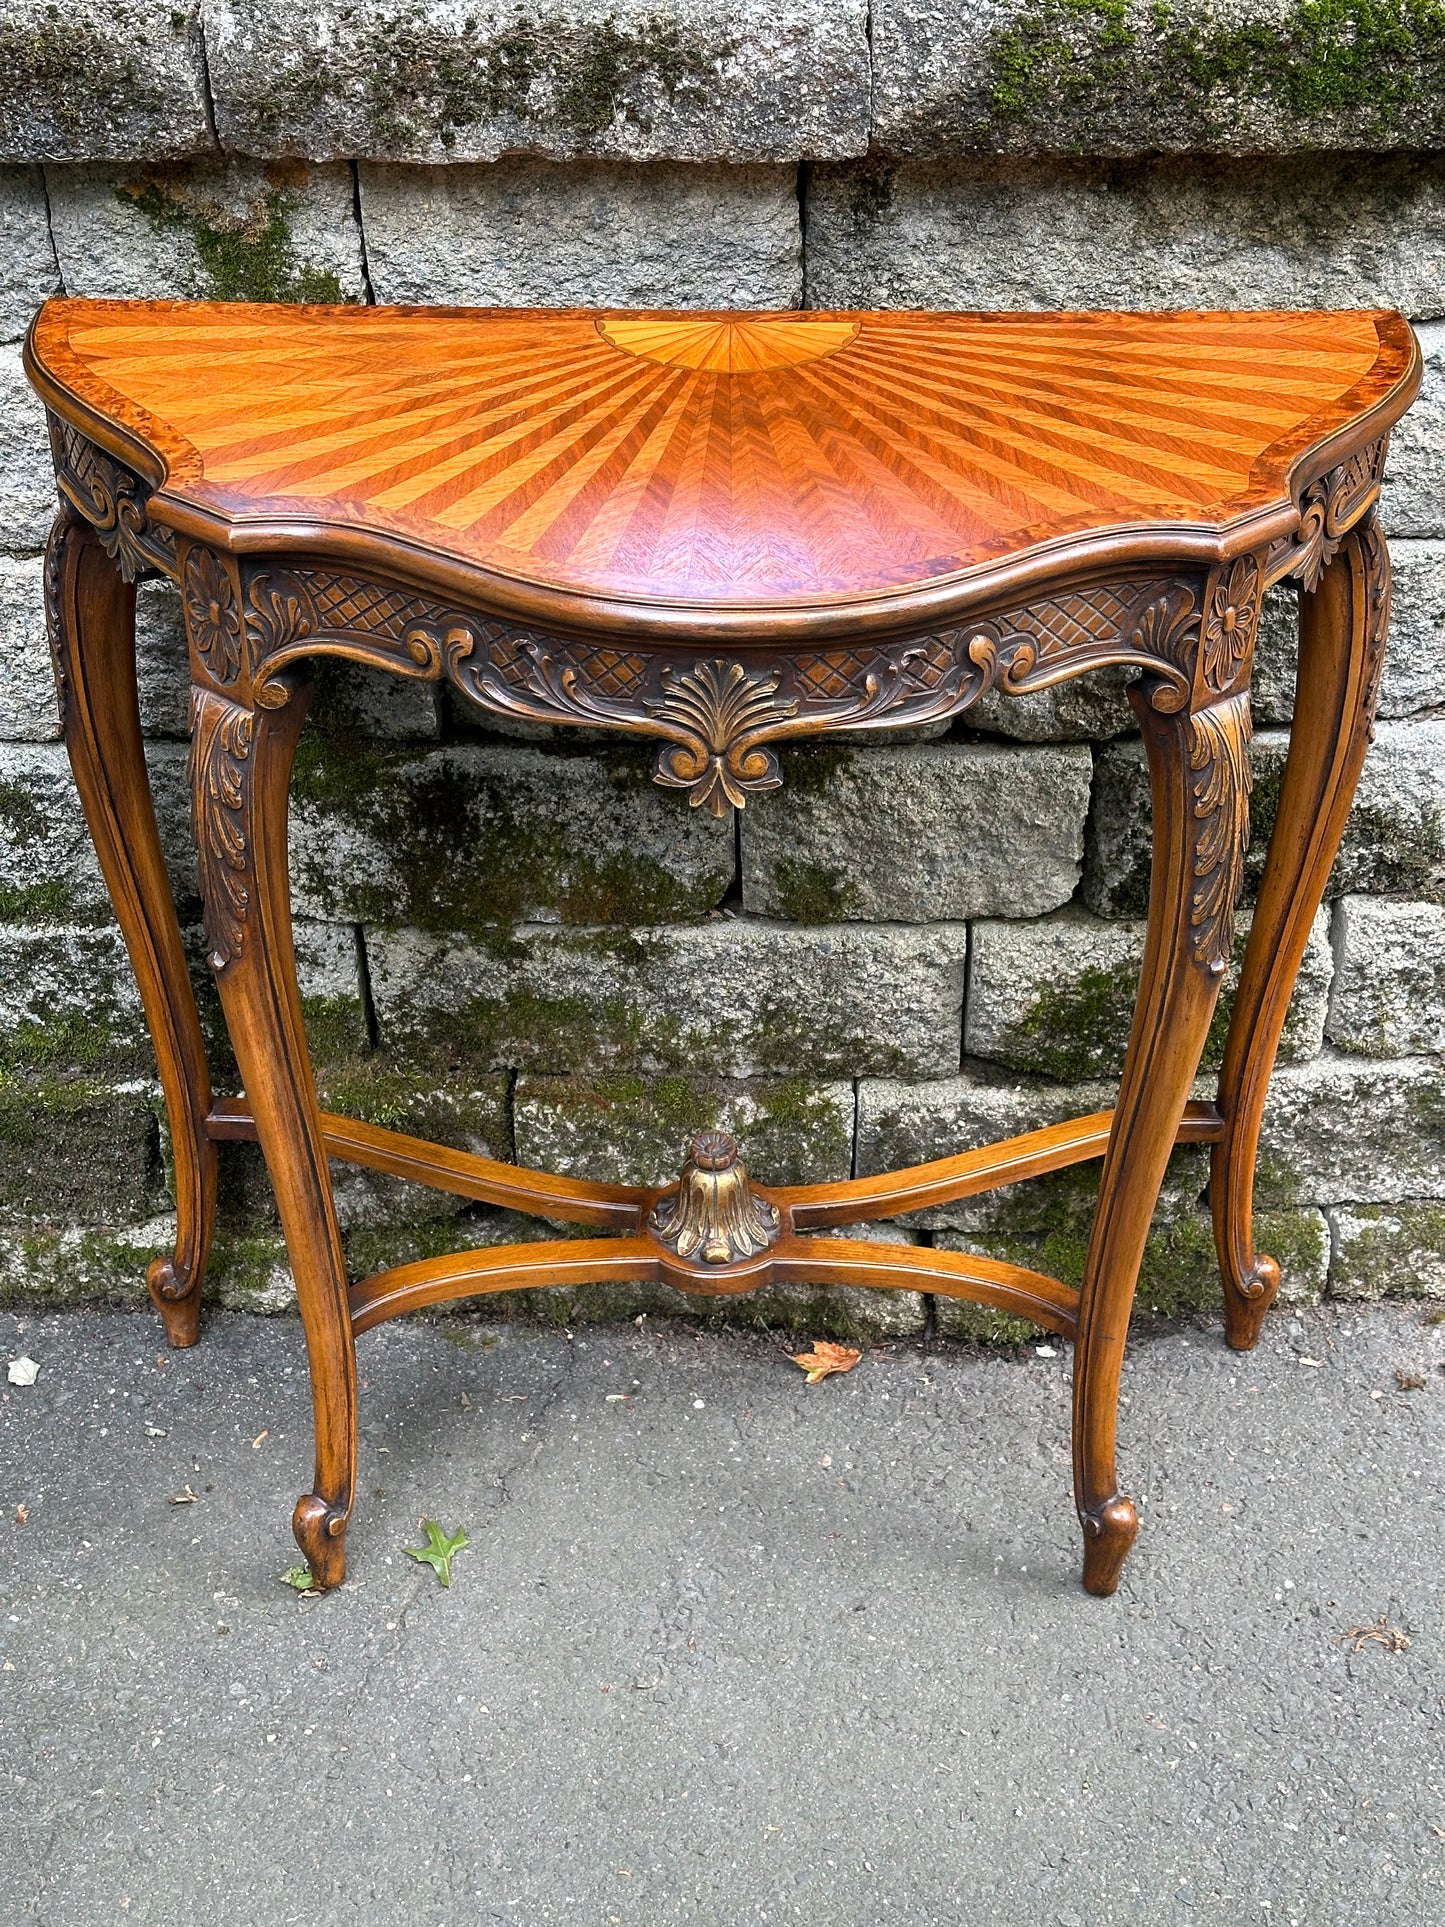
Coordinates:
729 347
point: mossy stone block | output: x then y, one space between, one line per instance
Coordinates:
1394 1250
1340 1129
1056 996
423 80
68 1002
1151 76
56 1266
726 998
101 80
215 229
634 1129
475 837
948 831
74 1147
911 1123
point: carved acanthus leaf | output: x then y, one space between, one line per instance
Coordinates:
1221 777
714 1214
54 615
221 737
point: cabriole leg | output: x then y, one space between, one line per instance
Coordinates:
1343 626
240 767
91 611
1198 766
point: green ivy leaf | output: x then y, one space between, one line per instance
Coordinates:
438 1550
301 1577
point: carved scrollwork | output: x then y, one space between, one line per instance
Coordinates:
213 616
719 717
1220 779
221 737
113 501
1329 508
1150 625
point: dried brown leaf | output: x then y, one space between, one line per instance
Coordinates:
824 1359
1382 1633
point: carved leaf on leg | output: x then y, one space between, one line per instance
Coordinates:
1219 764
221 735
54 618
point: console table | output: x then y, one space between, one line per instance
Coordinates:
720 532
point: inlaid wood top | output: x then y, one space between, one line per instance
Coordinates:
751 462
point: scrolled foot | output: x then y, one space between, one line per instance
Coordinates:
1246 1304
1109 1531
320 1531
178 1300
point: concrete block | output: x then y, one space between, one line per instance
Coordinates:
1389 991
532 233
224 230
102 80
922 834
627 1129
1342 1129
28 274
689 80
1310 232
1056 997
1050 77
727 998
471 837
28 712
1394 1250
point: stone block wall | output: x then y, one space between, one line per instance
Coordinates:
509 939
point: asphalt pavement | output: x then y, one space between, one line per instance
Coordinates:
723 1647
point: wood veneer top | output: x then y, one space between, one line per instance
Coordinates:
736 461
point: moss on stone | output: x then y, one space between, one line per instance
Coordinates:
1388 859
812 771
67 72
35 903
335 1027
1074 58
1077 1029
814 892
245 257
75 1040
982 1325
461 855
1379 1252
419 82
376 1090
627 1128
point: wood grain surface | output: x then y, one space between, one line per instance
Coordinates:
741 460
